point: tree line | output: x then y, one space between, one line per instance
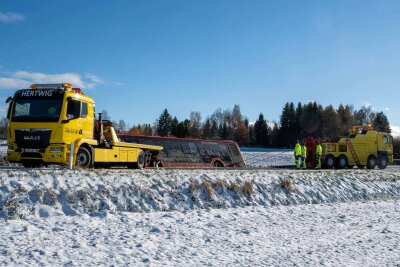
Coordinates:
296 122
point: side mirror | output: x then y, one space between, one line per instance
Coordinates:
9 99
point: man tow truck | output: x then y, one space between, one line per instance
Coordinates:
56 124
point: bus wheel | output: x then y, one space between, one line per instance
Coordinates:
382 161
218 164
83 157
342 162
329 162
371 162
140 162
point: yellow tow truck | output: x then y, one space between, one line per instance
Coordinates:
47 118
362 147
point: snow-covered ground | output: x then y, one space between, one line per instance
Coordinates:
270 158
340 234
53 216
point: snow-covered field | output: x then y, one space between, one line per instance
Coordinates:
269 158
340 234
53 216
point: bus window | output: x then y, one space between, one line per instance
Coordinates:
223 150
193 148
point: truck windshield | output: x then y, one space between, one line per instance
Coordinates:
32 108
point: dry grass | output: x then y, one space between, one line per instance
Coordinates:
194 186
209 190
248 188
287 184
234 187
220 183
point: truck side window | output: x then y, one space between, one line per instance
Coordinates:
73 109
386 139
84 110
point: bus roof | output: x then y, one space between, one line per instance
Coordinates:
179 139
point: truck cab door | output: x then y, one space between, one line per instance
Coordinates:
73 128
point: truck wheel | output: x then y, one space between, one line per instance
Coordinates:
360 166
350 166
83 157
342 162
329 162
140 162
382 161
371 162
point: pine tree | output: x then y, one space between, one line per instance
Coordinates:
261 131
311 119
381 123
274 135
330 123
346 118
298 128
251 136
163 124
206 132
174 126
182 130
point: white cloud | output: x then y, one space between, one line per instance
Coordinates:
11 83
94 79
22 79
395 130
11 17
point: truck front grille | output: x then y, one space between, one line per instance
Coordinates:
32 138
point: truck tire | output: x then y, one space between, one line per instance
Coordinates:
342 162
371 162
141 160
83 157
360 166
382 161
329 162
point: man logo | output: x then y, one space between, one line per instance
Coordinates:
32 138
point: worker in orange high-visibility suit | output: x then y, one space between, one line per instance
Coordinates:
297 154
303 155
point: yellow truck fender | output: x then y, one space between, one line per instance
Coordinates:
89 143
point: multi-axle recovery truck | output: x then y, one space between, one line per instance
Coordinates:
45 119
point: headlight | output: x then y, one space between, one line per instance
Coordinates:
56 149
10 148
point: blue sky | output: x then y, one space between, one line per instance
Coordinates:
138 57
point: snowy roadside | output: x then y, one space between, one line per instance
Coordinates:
340 234
24 192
